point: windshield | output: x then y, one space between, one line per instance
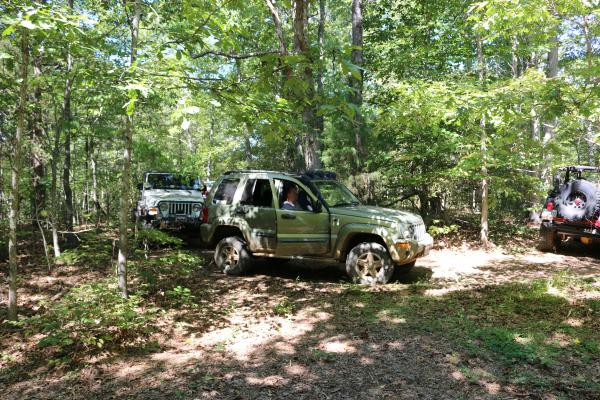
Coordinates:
336 194
173 181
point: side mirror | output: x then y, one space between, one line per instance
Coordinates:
318 207
140 186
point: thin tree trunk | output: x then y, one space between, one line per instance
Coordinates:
320 121
484 233
66 127
549 127
283 52
125 179
93 166
589 123
38 196
356 84
54 195
514 62
13 215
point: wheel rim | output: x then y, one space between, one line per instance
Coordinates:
369 265
577 200
230 256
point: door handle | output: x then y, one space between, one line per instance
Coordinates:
288 216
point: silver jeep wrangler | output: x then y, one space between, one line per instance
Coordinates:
170 200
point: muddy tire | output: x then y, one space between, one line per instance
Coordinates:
232 256
548 240
369 264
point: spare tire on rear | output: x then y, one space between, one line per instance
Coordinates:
578 199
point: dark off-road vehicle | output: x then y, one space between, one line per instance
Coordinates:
572 208
246 216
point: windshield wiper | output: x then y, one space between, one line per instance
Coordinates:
346 204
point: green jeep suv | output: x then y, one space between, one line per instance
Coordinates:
251 214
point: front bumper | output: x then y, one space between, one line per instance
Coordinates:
410 250
176 221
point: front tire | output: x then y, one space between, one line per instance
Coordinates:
369 264
232 256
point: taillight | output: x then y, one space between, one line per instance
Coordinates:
204 214
550 206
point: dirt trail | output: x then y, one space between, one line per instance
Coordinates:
302 332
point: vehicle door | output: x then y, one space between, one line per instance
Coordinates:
257 208
302 231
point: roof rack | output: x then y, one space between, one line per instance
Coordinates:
247 171
580 168
319 174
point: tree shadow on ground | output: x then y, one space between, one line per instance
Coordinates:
270 335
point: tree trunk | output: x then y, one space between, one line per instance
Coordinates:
356 84
311 140
589 124
320 121
283 52
66 127
93 165
549 127
295 150
54 193
514 61
15 175
484 233
125 179
38 195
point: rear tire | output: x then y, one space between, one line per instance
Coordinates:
369 264
232 256
548 240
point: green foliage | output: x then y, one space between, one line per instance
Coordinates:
284 308
88 254
155 238
182 296
439 228
92 317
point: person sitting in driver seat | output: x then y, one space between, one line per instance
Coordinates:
291 200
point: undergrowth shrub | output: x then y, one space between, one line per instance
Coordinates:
154 239
92 316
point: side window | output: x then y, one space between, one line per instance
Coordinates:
226 191
257 192
292 196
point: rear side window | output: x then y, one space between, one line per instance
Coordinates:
226 191
257 192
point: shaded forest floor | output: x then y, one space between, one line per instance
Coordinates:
463 324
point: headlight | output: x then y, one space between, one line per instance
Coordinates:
164 208
196 208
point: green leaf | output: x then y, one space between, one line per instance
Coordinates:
27 24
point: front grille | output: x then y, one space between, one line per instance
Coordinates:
181 208
418 231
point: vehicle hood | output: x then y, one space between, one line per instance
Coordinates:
152 197
379 214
